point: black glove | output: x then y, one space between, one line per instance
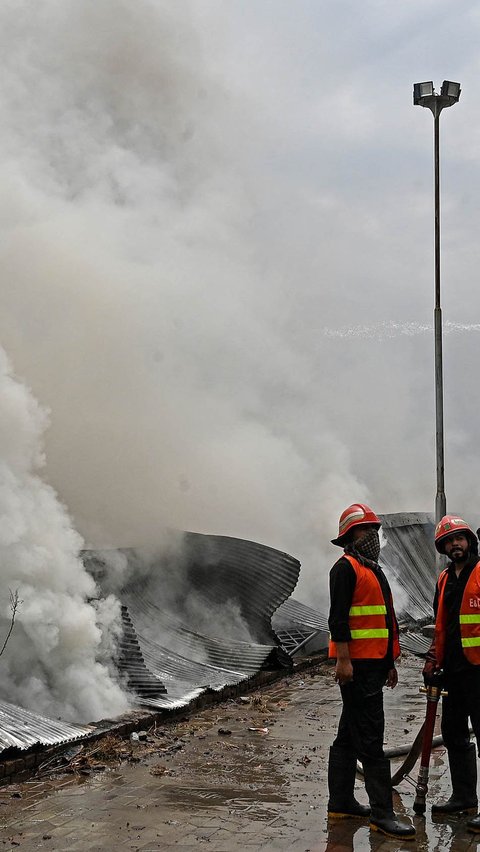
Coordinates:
431 669
432 675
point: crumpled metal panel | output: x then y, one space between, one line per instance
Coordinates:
256 577
141 679
293 613
417 643
297 624
408 558
188 663
22 729
200 617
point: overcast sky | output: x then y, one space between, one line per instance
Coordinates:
216 250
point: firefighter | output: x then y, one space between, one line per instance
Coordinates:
456 650
364 641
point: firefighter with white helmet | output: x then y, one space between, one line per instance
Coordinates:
364 642
456 651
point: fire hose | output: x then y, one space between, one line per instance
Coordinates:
423 744
412 750
433 692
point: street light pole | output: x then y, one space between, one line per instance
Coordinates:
425 95
440 498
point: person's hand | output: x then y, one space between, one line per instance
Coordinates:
343 672
392 678
431 673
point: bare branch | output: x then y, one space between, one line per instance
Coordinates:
14 604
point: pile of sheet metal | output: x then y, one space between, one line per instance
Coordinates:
408 558
212 611
21 729
199 616
297 624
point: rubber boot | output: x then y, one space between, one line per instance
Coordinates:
463 772
378 782
342 767
474 824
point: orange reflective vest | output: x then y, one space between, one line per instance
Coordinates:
469 617
367 618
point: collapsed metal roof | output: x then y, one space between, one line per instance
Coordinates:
199 617
22 729
408 557
216 611
292 613
415 642
296 624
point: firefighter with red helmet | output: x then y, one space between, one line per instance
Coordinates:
364 642
456 650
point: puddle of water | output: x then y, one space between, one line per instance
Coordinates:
34 792
256 802
430 837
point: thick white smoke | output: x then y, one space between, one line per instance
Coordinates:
135 300
56 660
190 194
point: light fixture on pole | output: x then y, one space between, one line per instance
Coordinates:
425 95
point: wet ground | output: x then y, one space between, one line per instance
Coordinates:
249 773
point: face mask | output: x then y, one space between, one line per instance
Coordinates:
369 545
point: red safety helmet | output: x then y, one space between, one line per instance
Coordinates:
355 515
449 525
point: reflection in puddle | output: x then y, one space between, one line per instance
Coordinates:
347 836
254 801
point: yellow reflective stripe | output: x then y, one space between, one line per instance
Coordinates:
380 633
470 619
471 643
368 610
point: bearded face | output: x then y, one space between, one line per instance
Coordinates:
457 547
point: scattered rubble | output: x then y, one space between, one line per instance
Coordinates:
185 782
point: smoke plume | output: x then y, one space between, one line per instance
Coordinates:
184 211
58 655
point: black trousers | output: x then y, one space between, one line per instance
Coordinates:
461 704
362 722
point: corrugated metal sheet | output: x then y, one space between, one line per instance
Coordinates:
188 663
199 618
257 577
297 624
223 618
415 642
141 679
22 729
409 558
293 613
214 612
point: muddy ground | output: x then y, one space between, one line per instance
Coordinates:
249 772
